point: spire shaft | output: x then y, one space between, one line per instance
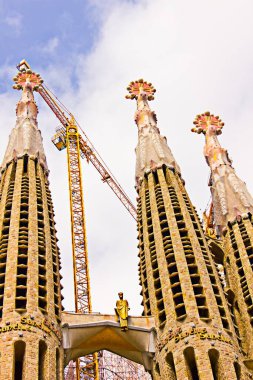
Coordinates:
152 151
231 198
25 138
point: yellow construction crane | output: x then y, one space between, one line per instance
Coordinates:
72 137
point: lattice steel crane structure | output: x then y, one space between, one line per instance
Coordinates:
72 137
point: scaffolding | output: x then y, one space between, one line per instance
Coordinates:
114 367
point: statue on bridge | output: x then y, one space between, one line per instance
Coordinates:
121 311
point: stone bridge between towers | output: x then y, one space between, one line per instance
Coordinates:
84 334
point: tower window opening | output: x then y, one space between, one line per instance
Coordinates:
203 313
191 364
42 360
157 369
155 176
19 352
57 364
25 167
171 365
214 361
237 368
174 279
201 300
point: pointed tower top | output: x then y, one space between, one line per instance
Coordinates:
26 138
231 199
152 151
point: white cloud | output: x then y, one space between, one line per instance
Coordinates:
198 55
15 22
50 46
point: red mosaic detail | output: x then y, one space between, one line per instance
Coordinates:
140 86
203 121
24 77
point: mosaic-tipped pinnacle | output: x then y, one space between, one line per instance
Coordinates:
140 86
204 120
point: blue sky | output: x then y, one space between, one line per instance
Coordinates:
46 32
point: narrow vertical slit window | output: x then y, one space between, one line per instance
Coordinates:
214 361
171 366
191 364
57 364
42 360
19 352
237 370
25 168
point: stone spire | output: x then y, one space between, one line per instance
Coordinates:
30 289
180 285
25 138
231 198
152 151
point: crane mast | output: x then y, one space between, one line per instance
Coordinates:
79 241
87 367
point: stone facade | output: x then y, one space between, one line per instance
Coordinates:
196 334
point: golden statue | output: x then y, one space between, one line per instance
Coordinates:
122 312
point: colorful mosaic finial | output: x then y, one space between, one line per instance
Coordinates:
203 121
27 76
140 86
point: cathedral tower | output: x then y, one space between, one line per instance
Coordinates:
30 290
233 210
196 336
